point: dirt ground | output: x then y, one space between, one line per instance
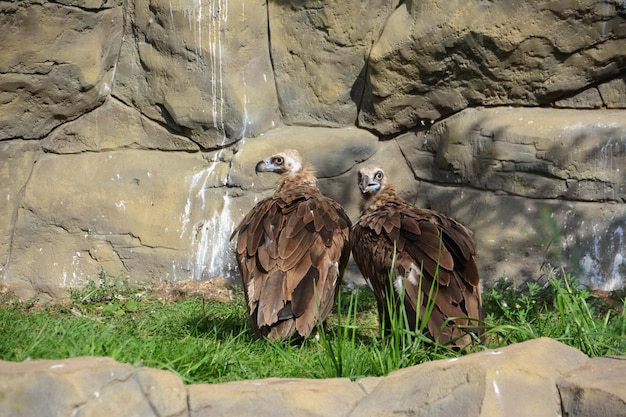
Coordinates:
214 289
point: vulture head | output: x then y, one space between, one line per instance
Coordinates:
287 161
374 186
371 179
289 164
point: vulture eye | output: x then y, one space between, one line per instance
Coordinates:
379 175
278 160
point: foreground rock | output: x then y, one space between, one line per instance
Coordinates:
595 389
535 378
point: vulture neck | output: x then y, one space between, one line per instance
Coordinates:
306 175
378 199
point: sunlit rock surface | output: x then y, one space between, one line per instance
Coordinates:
435 58
58 62
537 378
129 130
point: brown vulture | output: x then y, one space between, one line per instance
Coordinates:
292 249
431 250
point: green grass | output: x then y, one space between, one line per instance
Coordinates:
212 341
562 310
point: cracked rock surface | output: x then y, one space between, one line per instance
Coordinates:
129 130
538 377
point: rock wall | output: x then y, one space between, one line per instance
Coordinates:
537 378
129 129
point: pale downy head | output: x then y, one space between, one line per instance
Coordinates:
371 180
287 161
374 187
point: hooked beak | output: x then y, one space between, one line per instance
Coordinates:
261 166
266 165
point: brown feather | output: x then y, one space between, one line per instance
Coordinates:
304 293
290 252
297 272
271 301
263 259
431 249
292 249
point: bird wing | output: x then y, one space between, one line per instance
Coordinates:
430 250
292 249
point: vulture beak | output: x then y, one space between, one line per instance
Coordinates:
261 166
266 165
269 165
368 185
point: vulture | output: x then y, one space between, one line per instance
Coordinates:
421 249
292 249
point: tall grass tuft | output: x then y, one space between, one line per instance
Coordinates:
340 345
562 309
580 326
401 344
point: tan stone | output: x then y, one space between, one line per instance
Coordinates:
518 380
538 377
113 126
57 387
587 99
62 56
201 67
614 93
17 163
595 389
537 153
518 238
88 387
274 396
122 211
435 58
320 55
564 160
164 391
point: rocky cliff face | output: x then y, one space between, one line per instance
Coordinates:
129 130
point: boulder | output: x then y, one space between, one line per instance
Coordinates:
517 380
538 377
595 389
201 68
89 386
320 53
275 396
